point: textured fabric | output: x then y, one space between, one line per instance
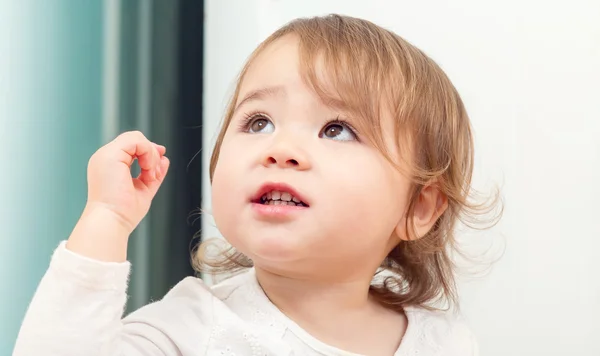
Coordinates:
78 308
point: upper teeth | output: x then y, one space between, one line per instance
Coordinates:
277 195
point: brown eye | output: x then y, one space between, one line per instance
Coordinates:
258 125
261 125
338 131
333 130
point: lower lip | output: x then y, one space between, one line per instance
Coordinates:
277 211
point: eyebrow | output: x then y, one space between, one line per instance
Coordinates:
261 94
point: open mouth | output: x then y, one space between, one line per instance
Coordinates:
279 194
277 197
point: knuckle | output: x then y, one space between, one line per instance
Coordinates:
133 135
137 133
97 156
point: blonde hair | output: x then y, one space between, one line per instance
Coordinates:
371 70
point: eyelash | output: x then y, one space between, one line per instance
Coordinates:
345 124
250 117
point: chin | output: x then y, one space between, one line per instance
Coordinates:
270 247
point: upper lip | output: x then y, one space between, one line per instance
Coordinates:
282 187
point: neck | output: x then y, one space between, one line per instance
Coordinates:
314 299
341 314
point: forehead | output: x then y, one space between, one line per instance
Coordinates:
281 69
276 66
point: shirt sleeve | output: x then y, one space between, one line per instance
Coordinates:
78 308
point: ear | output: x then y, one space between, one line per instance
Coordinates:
430 204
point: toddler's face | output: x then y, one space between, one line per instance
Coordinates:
297 191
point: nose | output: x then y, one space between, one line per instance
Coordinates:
286 155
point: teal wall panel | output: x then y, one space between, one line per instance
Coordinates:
50 123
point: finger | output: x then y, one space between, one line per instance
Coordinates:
163 167
136 145
161 149
154 184
151 171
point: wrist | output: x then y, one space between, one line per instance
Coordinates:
100 234
105 215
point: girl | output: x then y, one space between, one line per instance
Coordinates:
345 151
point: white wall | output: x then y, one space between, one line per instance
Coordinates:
529 72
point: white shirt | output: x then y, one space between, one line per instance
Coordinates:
78 307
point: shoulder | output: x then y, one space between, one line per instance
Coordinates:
182 320
193 297
445 333
189 297
194 288
240 282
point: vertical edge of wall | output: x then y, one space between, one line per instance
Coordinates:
188 131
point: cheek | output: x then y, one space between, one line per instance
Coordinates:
220 194
226 189
369 200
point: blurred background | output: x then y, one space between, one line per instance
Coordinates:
74 74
